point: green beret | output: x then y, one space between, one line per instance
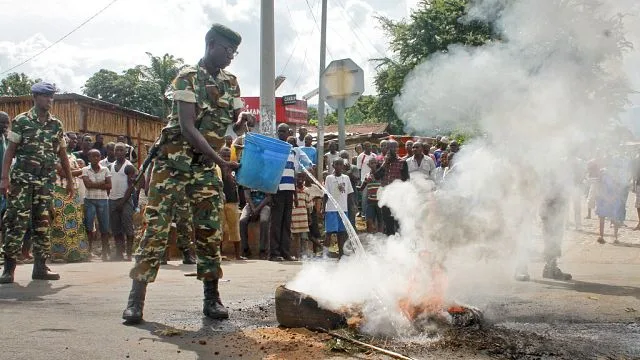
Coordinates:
220 30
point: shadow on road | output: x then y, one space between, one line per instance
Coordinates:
215 339
594 288
34 291
622 244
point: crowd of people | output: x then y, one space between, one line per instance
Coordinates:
101 173
60 190
298 221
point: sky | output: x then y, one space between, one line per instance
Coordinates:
119 37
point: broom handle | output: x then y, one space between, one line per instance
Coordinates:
368 346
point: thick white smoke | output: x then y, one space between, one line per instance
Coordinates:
544 97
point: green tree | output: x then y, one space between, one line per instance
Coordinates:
129 89
312 113
363 111
140 88
16 84
431 28
330 118
161 71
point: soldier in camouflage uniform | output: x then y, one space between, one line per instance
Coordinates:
184 231
36 140
206 103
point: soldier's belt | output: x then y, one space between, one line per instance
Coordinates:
34 167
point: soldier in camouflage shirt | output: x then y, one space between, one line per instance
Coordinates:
36 140
206 104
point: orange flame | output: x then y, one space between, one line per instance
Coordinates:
432 303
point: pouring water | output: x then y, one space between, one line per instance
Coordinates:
354 240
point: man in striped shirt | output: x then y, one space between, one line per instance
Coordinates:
282 201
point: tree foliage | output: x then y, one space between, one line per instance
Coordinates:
431 28
140 88
363 111
129 89
16 84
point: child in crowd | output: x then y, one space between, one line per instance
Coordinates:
300 217
316 195
339 186
231 227
370 186
258 208
353 173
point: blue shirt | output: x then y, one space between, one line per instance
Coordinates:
437 154
257 196
311 152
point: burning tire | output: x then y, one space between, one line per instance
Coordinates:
296 310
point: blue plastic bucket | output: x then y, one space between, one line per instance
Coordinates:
263 162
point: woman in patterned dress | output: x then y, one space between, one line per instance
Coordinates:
68 236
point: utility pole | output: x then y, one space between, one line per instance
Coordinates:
321 95
267 69
341 131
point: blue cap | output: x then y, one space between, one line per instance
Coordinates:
43 88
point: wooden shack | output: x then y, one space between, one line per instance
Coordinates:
84 114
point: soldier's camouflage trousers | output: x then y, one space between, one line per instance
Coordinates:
168 188
184 228
28 204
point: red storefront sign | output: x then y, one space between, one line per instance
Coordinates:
290 114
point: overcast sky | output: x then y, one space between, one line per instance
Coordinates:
119 37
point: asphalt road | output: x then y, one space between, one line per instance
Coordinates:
78 317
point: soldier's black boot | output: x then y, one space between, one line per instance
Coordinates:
8 271
41 271
133 313
187 258
552 271
212 306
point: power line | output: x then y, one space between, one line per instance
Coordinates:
295 45
304 60
318 26
59 40
354 31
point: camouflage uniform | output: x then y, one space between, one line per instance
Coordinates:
184 229
32 179
180 175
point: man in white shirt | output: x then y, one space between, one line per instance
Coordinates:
132 154
302 132
121 210
332 155
420 165
110 157
362 162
